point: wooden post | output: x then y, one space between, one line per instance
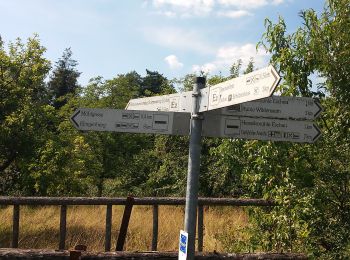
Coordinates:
108 228
63 227
125 223
15 226
155 228
200 228
74 255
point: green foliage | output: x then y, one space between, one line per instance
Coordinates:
222 167
313 184
116 153
42 154
64 79
185 83
250 66
168 178
22 106
235 69
155 83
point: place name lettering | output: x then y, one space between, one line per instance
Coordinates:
239 95
268 110
228 87
253 133
91 114
248 132
261 110
273 101
282 125
150 102
125 125
92 124
255 123
279 101
264 124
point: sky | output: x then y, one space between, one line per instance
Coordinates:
173 37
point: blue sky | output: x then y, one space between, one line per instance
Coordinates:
174 37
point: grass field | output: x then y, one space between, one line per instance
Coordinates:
39 227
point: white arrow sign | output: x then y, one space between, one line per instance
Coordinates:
260 129
255 85
275 107
114 120
179 102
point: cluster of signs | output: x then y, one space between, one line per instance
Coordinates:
238 108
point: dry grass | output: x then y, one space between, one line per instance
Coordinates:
39 227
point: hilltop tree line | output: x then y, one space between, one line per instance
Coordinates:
42 154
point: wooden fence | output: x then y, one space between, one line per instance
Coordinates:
63 202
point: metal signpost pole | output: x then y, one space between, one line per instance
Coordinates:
193 169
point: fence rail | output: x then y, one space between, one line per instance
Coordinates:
109 202
137 201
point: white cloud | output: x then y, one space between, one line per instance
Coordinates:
243 52
249 4
227 55
190 8
185 7
206 68
230 54
173 62
178 39
234 13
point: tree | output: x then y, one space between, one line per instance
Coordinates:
250 66
23 111
63 80
155 83
116 154
235 69
185 83
313 190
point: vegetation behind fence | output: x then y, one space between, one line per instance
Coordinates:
155 203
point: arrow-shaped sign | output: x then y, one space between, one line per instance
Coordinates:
114 120
179 102
260 128
238 108
301 108
255 85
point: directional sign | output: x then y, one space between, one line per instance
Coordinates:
275 107
255 85
115 120
179 102
260 129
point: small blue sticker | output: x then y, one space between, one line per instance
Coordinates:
183 248
183 239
